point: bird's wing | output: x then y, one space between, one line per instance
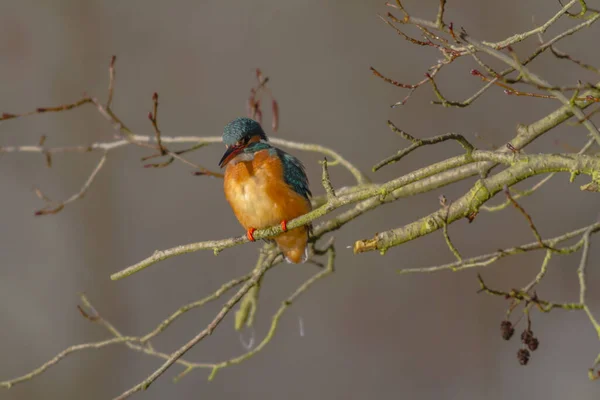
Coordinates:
294 174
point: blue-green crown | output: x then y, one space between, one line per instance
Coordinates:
241 128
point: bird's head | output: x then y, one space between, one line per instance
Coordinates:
238 134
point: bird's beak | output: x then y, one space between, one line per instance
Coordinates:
230 153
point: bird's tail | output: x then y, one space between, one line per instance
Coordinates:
294 245
296 257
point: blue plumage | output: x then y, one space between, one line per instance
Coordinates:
294 173
241 128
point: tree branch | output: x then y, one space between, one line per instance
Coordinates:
256 275
416 143
488 259
521 167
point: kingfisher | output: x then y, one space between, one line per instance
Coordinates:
265 186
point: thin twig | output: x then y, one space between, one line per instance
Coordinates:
416 143
277 316
111 82
153 116
41 110
439 21
182 310
257 274
535 187
327 182
530 77
446 205
542 305
581 273
488 259
96 345
542 273
528 217
53 209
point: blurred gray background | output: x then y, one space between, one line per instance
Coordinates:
368 333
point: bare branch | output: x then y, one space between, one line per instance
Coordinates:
256 275
528 217
488 259
275 320
153 116
111 82
42 110
529 76
542 273
327 182
446 206
216 295
53 209
582 281
416 143
439 21
469 204
543 305
8 384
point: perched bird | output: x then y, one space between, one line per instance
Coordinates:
265 186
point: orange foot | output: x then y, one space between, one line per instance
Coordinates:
249 233
284 225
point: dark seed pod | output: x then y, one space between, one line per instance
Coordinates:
507 330
523 356
533 344
526 336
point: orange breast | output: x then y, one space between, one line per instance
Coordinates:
260 197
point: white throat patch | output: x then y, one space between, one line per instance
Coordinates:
242 157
